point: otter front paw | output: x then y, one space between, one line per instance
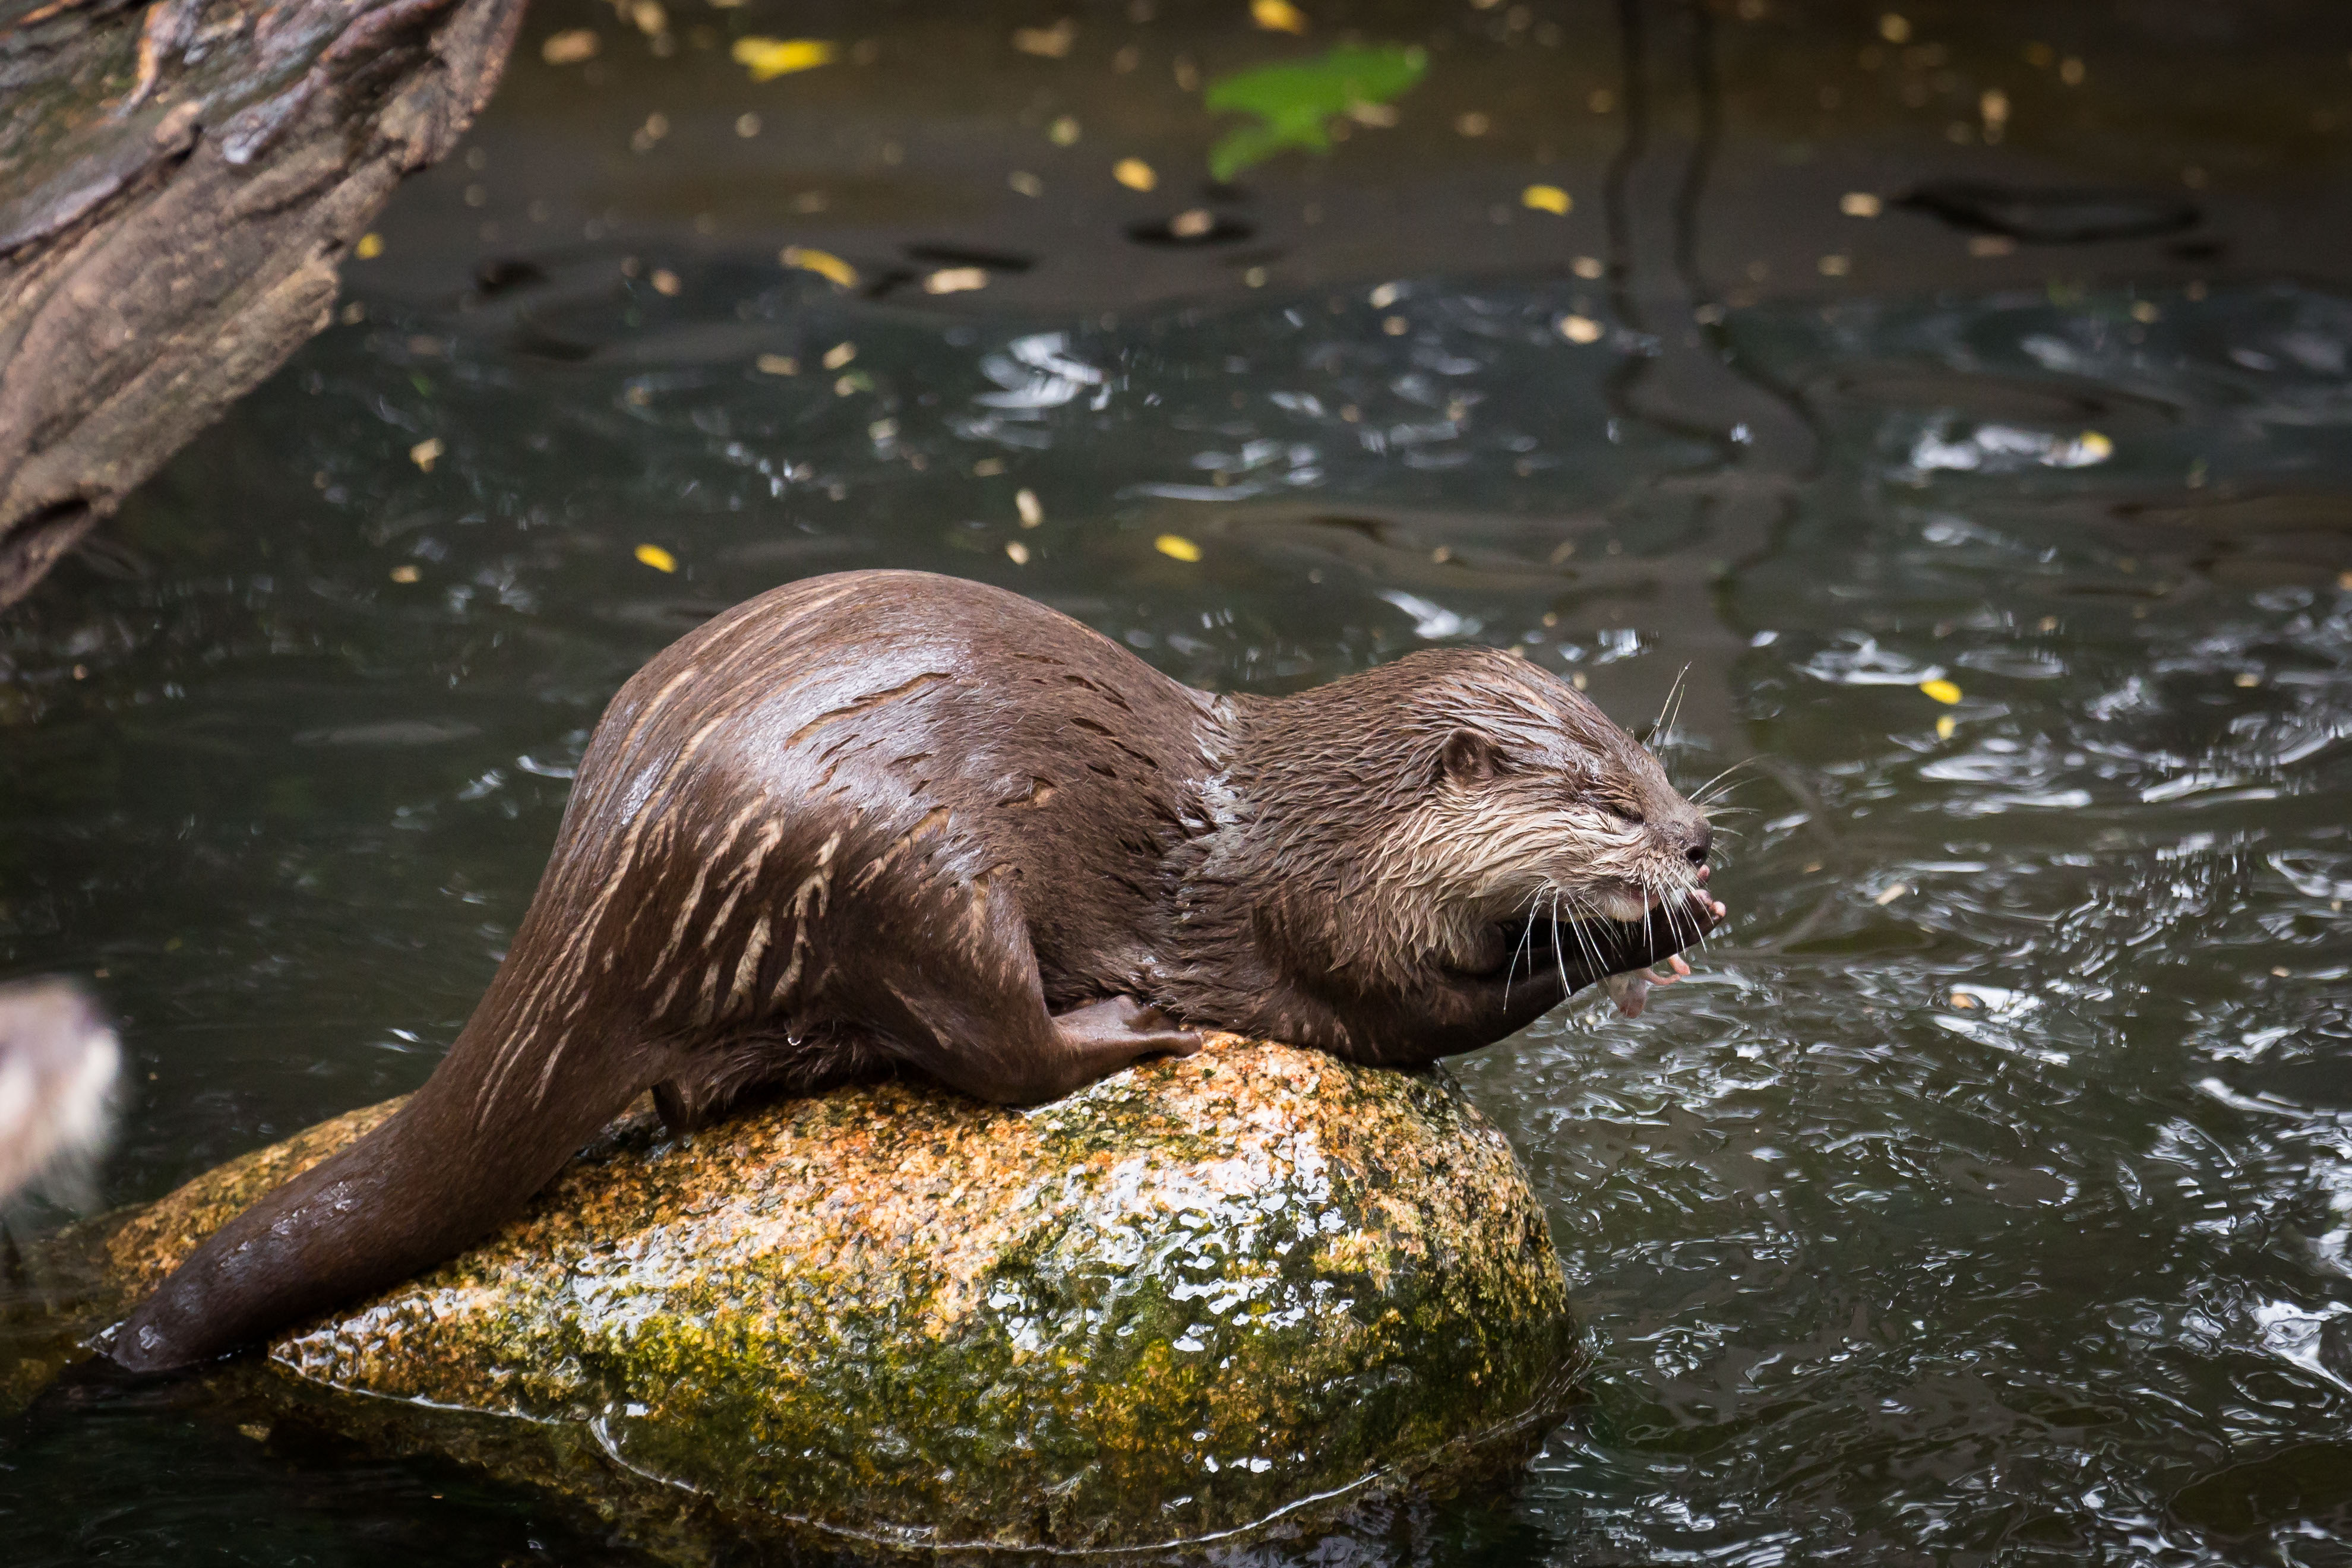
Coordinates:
1121 1029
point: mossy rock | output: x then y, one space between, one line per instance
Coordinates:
1190 1300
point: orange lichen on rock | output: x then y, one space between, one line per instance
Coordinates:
1169 1306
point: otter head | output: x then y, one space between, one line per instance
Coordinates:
1537 804
1453 806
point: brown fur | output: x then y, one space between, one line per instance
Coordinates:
885 820
57 1065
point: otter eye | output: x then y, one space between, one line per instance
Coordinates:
1628 813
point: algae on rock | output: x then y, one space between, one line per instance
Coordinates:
1183 1301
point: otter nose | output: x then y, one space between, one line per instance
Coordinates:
1702 839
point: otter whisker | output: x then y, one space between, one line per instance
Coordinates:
1589 939
1558 957
1681 924
1526 934
1677 914
1584 940
1699 794
1660 725
1654 904
1681 691
1579 909
1721 798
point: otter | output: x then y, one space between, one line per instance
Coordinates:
885 821
58 1059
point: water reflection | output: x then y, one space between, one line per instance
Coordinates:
1989 1190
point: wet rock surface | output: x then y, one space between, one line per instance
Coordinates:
1179 1304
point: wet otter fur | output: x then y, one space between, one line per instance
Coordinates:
885 820
58 1060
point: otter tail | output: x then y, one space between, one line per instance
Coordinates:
446 1169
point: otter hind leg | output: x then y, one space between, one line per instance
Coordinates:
680 1107
707 1083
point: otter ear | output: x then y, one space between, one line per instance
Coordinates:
1468 758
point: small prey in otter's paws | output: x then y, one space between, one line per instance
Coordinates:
885 821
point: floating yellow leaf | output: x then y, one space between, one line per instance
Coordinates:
1052 42
655 556
427 452
778 364
1546 199
1176 545
768 59
1890 895
1277 15
1579 328
1031 510
1860 204
1943 692
2093 448
405 574
824 263
569 47
1946 726
1016 551
1134 173
839 354
955 279
370 246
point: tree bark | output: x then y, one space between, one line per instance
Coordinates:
178 185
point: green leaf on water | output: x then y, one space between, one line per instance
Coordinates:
1295 102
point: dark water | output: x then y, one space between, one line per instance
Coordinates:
1987 1197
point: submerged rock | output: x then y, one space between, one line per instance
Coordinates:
1179 1304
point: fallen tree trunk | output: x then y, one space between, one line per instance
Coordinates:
178 185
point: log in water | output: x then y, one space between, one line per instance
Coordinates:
178 187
